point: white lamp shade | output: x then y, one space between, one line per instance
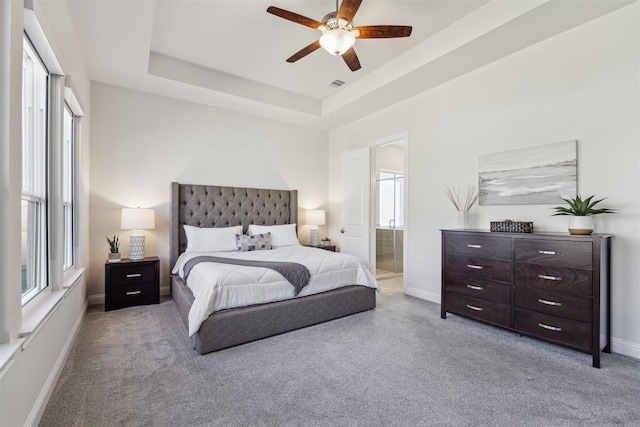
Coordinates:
315 217
137 219
337 41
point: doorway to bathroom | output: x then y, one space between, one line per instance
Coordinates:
389 173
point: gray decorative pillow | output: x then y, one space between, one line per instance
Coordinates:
257 242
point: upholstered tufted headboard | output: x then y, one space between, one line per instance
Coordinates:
213 206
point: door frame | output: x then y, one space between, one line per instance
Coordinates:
404 137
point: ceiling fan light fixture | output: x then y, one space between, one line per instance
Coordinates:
337 41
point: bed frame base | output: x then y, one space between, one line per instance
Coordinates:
228 328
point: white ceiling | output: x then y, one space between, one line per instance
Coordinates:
231 54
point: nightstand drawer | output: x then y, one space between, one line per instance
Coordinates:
562 304
492 312
489 290
554 252
132 274
133 294
564 331
480 267
554 278
478 246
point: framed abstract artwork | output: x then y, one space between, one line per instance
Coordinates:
537 175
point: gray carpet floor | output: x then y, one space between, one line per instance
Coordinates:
397 365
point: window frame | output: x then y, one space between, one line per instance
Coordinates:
36 191
68 187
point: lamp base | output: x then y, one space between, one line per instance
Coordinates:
313 237
136 248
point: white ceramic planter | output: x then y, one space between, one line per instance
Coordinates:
114 257
580 224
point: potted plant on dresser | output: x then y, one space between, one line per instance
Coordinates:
114 249
581 213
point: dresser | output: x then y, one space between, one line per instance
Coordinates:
128 283
549 286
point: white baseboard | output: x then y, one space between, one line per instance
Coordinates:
422 294
96 299
627 348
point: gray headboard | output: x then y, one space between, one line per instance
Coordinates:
214 206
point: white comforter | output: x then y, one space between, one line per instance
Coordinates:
217 286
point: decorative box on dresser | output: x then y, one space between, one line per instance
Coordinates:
128 283
550 286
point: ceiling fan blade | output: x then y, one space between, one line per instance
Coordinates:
294 17
351 59
304 51
348 9
383 31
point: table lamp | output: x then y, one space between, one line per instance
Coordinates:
137 219
315 217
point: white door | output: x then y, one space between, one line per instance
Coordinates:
356 204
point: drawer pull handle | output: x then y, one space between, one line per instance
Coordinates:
473 307
475 288
475 267
547 302
129 276
545 277
474 246
134 292
551 328
547 252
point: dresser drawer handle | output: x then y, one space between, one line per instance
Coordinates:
474 246
547 302
473 307
547 252
134 292
129 276
545 277
475 288
475 267
551 328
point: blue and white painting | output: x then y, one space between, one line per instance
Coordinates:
529 176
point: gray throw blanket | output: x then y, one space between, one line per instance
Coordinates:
296 274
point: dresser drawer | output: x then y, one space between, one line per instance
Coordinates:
562 304
491 312
564 331
133 294
479 267
554 278
554 252
132 274
486 289
478 246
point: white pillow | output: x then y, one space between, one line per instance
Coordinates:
211 238
281 235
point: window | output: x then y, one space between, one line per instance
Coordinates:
34 173
67 186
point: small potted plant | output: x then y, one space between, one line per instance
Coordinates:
581 212
114 249
326 241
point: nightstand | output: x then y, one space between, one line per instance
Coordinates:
128 283
331 248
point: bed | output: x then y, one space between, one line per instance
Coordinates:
205 206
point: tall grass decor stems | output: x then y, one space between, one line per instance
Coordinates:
453 194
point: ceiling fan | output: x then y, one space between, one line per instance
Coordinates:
338 33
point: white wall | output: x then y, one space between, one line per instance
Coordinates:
29 367
582 84
142 142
